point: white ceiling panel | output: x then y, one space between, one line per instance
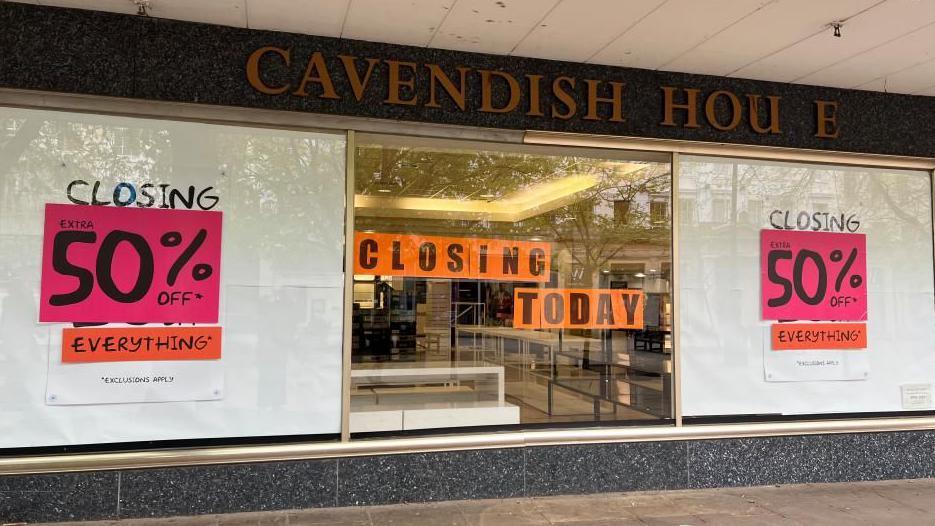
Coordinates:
490 26
583 28
410 22
114 6
874 27
224 12
673 29
914 48
768 30
929 91
910 80
311 17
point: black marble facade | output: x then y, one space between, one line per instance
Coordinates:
89 52
456 475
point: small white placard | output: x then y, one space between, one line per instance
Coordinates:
134 382
916 396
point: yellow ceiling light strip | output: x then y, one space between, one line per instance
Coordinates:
513 207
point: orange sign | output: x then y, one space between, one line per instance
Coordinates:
130 344
578 309
796 336
451 257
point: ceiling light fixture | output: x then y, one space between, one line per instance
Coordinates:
836 26
512 207
142 6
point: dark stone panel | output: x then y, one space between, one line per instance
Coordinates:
58 497
817 458
67 50
423 477
596 468
767 460
887 456
227 489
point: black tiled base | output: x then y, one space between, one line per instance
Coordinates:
227 489
423 477
59 497
454 475
595 468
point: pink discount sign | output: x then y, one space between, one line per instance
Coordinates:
813 275
135 265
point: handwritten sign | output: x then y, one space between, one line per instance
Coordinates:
129 344
121 264
451 257
578 308
809 275
799 336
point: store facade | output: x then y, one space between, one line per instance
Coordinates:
281 271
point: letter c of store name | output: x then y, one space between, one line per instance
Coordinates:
253 69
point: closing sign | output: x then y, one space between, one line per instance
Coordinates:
578 309
451 257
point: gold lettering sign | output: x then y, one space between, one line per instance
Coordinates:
827 118
561 97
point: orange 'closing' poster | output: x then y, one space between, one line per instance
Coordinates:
451 257
578 308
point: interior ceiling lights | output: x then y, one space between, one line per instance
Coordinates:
512 207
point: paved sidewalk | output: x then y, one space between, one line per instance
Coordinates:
910 502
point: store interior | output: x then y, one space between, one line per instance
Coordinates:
437 352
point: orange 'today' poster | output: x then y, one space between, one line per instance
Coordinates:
129 344
451 257
578 308
801 336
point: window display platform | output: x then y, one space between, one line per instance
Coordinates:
393 396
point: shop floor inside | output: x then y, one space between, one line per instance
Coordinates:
884 502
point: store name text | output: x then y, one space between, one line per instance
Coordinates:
430 86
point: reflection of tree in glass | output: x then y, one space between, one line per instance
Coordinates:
273 185
588 227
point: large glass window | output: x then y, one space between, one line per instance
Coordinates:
167 280
499 285
805 288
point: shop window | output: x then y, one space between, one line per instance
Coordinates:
720 210
819 302
754 211
508 285
659 212
687 209
11 126
245 223
621 211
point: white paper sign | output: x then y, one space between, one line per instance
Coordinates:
916 396
814 365
133 382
